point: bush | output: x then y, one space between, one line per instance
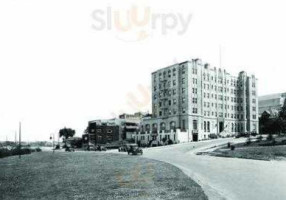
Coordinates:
232 147
170 142
270 137
248 141
14 152
228 145
253 134
213 136
38 149
259 138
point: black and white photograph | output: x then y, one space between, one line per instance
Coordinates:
142 100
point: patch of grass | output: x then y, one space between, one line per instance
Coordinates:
253 152
93 175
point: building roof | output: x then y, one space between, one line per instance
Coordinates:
271 96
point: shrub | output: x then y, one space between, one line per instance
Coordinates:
270 137
248 141
212 136
232 147
38 149
259 138
170 142
228 145
253 134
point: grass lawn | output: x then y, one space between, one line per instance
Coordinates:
93 175
253 152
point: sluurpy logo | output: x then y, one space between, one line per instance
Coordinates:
138 23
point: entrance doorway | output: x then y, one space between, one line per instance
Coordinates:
221 127
195 137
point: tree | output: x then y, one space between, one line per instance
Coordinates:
66 133
282 117
282 113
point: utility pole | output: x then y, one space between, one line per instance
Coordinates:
16 138
52 137
19 139
53 143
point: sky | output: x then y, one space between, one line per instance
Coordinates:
65 62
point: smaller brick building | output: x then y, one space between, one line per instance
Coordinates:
101 133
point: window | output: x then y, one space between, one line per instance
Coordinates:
170 102
109 131
195 91
195 70
183 100
109 138
195 100
254 116
205 126
183 80
183 124
195 110
195 124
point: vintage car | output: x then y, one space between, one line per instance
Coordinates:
69 149
101 148
123 148
134 150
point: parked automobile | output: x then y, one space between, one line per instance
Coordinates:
123 148
101 148
90 147
69 149
134 150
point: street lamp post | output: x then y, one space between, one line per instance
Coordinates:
52 137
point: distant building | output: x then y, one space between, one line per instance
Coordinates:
101 133
191 101
271 103
104 131
136 117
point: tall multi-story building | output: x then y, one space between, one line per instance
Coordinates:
192 97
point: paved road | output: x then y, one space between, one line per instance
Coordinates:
226 178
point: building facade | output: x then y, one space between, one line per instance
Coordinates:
104 131
199 101
271 103
101 133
